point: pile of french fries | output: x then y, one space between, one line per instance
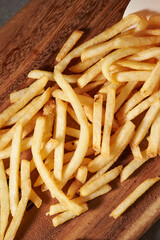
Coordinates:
76 129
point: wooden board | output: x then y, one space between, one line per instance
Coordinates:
31 40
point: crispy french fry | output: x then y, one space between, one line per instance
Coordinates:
146 123
31 93
26 117
109 116
14 169
141 189
122 140
97 121
154 137
84 130
133 166
107 177
4 192
60 131
67 215
57 208
45 175
26 190
142 106
72 132
69 44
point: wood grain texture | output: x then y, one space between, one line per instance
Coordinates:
31 40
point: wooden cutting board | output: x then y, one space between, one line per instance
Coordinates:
31 40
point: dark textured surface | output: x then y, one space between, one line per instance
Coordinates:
37 49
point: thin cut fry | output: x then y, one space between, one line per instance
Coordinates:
31 93
154 137
109 116
26 117
4 193
97 121
107 177
45 175
14 169
84 130
142 188
26 190
69 44
60 131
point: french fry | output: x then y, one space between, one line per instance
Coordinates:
45 175
122 96
102 37
133 166
114 56
145 124
69 44
84 130
60 131
97 121
142 106
154 138
57 208
129 76
136 65
109 116
141 189
84 100
82 66
26 117
67 215
15 96
152 80
72 132
26 190
14 169
122 140
145 54
32 91
107 177
4 192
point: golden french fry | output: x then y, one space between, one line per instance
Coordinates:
114 56
72 132
45 175
84 129
31 93
60 131
154 137
69 44
133 166
4 192
141 189
82 66
146 123
145 54
136 65
151 82
102 37
131 76
122 96
142 106
122 140
14 169
107 177
84 100
97 121
67 215
26 190
109 116
26 117
57 208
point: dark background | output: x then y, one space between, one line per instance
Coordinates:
8 8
